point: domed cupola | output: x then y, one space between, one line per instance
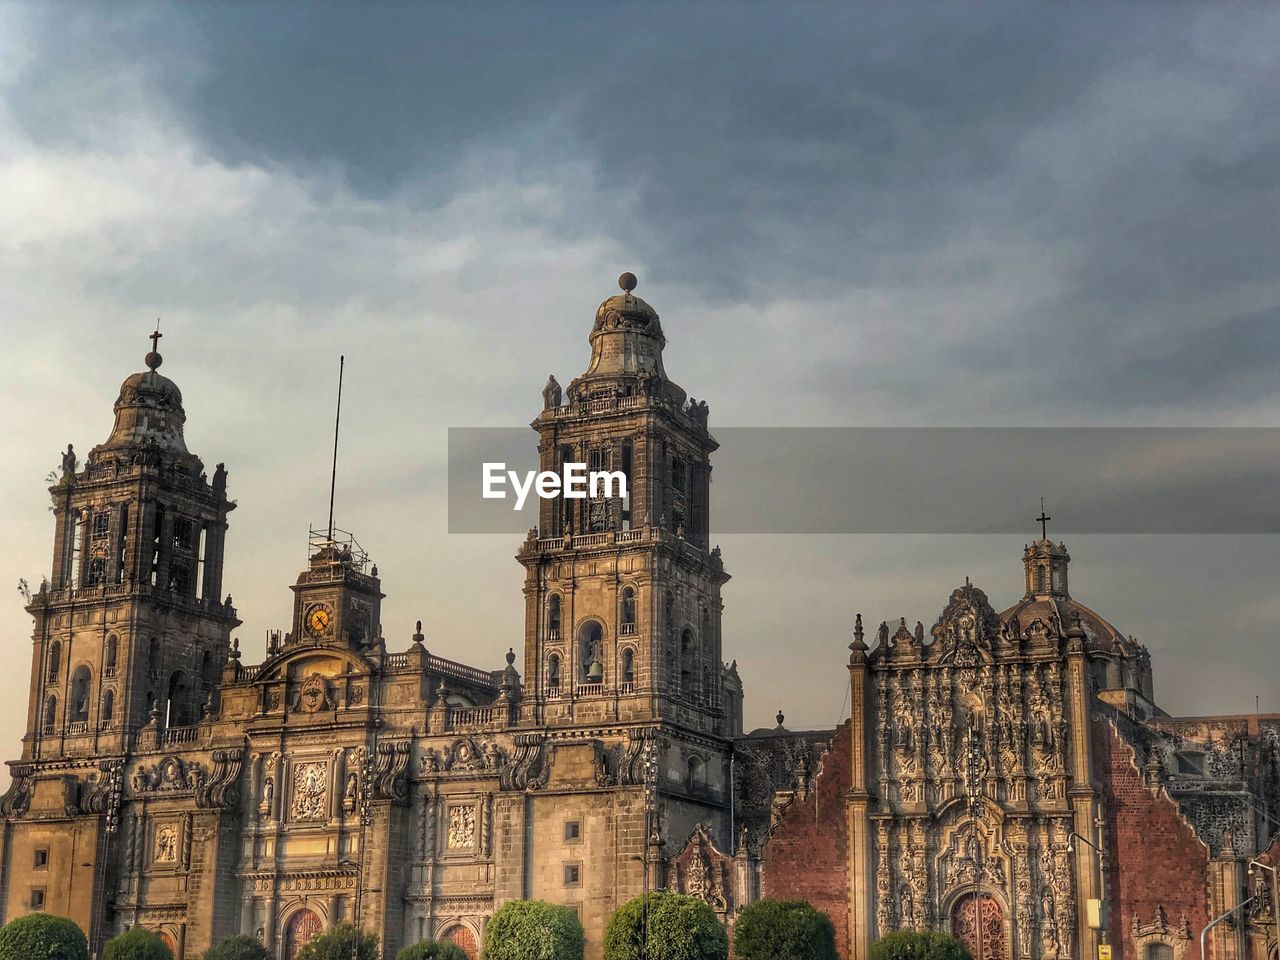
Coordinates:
148 412
626 344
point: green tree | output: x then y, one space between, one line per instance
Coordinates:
432 950
136 944
533 930
680 928
42 935
783 930
240 947
918 945
341 943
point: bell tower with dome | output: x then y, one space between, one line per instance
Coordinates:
131 628
622 595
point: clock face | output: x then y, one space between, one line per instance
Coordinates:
318 619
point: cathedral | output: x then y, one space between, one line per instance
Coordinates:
1005 776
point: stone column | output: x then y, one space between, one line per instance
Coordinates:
1085 803
861 911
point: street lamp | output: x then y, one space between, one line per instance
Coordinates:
1275 889
650 770
1100 922
1204 934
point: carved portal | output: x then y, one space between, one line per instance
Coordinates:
462 827
166 850
978 921
310 790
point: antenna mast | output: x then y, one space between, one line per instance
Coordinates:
337 420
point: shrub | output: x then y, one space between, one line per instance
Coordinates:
918 945
432 950
341 943
240 947
42 935
533 930
680 928
783 930
137 944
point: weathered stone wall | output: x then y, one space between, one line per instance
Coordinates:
806 857
1155 862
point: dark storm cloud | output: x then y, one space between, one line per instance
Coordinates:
777 151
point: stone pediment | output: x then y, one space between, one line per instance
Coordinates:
968 625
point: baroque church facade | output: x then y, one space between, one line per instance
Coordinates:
1005 776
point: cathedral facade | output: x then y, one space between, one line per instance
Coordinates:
1006 776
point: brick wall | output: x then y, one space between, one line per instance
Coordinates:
807 856
1154 859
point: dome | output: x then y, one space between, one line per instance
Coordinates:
148 413
626 343
626 309
1062 615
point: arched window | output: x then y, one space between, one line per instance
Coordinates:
553 617
628 666
1158 951
553 673
669 615
688 656
153 657
110 655
55 660
108 711
206 668
628 610
80 695
590 659
50 714
176 712
696 775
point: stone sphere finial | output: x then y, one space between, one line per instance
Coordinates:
627 281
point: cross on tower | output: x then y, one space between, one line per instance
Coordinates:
1043 520
155 339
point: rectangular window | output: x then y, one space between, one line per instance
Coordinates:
37 898
572 875
572 831
41 859
101 525
181 533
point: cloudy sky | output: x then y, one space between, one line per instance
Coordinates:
970 214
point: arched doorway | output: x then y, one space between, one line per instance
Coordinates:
977 920
302 926
168 941
464 939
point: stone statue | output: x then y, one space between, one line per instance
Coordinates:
551 393
69 462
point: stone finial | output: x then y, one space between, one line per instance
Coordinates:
780 718
627 281
235 649
418 638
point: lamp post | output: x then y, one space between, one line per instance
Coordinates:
366 796
1275 889
1101 854
650 789
1204 934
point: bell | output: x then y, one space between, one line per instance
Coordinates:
595 672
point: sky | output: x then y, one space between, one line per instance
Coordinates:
880 215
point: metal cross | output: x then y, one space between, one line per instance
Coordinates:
1043 520
155 339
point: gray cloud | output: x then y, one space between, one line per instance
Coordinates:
906 215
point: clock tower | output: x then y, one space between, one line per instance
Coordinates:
338 598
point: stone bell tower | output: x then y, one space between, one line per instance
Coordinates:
131 627
622 594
